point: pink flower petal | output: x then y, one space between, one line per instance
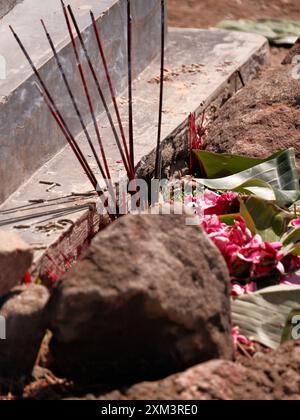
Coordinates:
295 223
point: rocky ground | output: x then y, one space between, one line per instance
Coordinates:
150 301
158 303
266 377
161 316
261 119
207 13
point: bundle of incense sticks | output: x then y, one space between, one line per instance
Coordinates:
126 148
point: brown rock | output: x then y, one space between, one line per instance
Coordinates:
150 298
274 376
261 119
24 315
15 260
293 52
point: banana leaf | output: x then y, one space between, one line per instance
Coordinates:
269 220
291 241
291 237
246 215
274 179
219 165
262 316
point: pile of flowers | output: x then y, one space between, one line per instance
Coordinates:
249 258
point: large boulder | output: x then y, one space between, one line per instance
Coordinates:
150 298
15 259
274 376
261 119
22 317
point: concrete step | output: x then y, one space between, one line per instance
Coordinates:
202 72
29 136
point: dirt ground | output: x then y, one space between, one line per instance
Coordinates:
208 13
269 125
261 119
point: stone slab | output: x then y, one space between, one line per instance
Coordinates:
211 59
29 136
15 259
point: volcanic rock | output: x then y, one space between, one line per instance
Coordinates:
23 325
15 259
150 298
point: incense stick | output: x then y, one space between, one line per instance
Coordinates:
55 212
106 176
95 77
57 114
79 155
157 171
63 125
130 96
73 100
70 139
112 90
87 93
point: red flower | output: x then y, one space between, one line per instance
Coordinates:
296 223
27 278
291 263
248 257
224 204
210 203
238 290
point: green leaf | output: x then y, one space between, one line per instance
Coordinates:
291 242
219 165
270 221
262 316
292 237
230 219
275 179
257 187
